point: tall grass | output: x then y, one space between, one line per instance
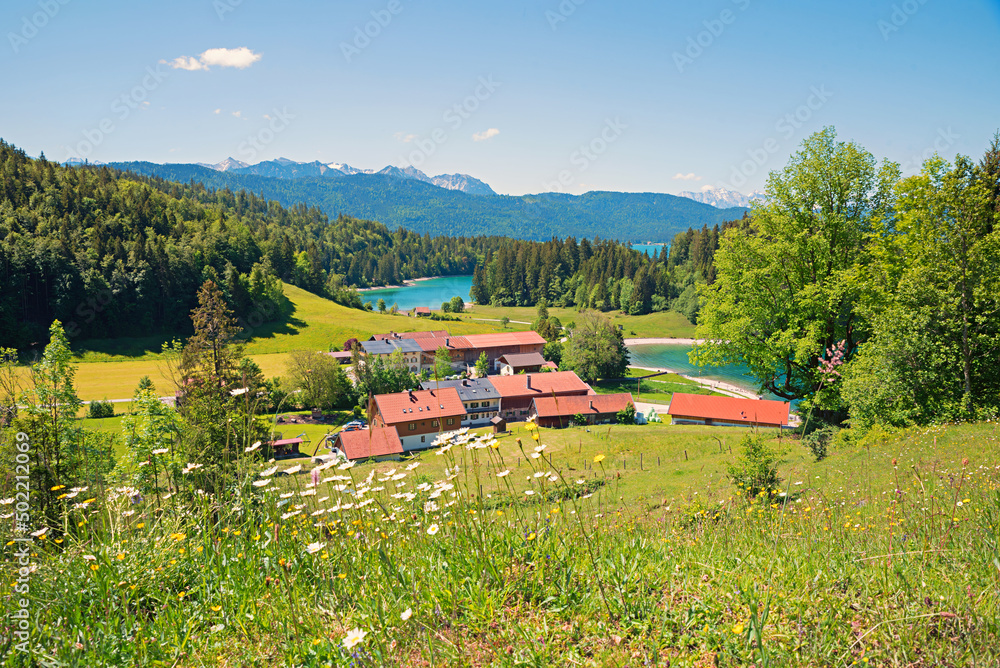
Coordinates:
386 565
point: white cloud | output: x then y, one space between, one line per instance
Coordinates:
185 63
705 189
488 134
405 138
240 58
238 114
218 111
691 176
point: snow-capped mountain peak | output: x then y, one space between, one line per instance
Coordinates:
723 198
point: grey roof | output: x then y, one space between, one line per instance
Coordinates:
472 389
524 359
387 347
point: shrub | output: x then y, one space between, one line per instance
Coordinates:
627 415
756 469
579 419
101 409
818 440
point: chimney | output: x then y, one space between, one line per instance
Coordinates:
591 404
528 378
465 382
447 342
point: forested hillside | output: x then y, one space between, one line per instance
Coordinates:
112 254
426 208
116 255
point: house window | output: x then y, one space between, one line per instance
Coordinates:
474 404
434 423
413 426
423 439
451 420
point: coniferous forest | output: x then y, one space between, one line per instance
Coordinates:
115 254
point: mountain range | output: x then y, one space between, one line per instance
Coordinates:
283 168
723 198
399 198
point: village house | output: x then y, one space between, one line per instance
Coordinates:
517 392
377 443
727 411
417 415
518 363
558 412
419 348
480 398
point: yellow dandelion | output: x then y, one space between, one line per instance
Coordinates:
598 459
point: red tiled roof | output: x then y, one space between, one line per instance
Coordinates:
419 404
287 441
374 442
585 405
730 409
505 339
409 335
558 382
431 344
423 309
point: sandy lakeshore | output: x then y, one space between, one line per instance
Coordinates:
714 385
675 341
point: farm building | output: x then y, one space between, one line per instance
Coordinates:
516 363
377 443
727 411
517 392
595 409
479 397
418 415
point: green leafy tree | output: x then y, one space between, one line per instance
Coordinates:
505 321
553 352
381 305
442 363
321 379
785 288
150 434
482 365
934 305
61 454
596 349
375 374
457 304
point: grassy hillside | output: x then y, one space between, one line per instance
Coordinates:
665 324
881 555
111 368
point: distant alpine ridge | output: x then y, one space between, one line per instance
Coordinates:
454 205
283 168
722 198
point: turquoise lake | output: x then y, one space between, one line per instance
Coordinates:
675 358
650 249
431 293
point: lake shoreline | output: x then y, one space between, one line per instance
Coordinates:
664 341
714 385
409 283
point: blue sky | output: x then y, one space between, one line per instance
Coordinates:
530 96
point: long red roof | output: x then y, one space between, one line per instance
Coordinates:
373 442
419 404
558 382
597 404
729 409
505 339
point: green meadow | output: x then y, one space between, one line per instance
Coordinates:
480 553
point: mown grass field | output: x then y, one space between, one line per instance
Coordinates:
112 368
884 554
667 324
656 390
